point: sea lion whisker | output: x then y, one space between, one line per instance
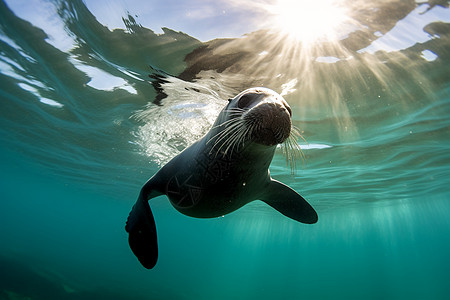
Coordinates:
292 150
229 140
296 132
222 137
235 110
232 141
291 160
228 124
242 132
248 133
226 135
236 139
231 127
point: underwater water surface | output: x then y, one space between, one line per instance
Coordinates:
97 95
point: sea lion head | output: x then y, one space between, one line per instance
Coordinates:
266 114
257 115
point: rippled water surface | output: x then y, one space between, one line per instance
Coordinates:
98 95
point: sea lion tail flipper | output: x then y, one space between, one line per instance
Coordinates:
289 203
142 233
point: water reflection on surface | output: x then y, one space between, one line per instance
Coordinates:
362 85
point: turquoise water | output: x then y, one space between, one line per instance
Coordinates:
82 127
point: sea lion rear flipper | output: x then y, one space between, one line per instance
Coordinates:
289 203
142 230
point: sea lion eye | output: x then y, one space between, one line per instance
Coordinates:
245 101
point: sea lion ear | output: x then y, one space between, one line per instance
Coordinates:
289 203
230 99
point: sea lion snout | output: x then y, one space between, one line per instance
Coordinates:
273 121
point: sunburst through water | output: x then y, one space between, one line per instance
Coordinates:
309 21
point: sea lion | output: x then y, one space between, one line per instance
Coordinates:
223 171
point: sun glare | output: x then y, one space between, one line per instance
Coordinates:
309 20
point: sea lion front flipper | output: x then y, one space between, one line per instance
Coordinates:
289 203
142 229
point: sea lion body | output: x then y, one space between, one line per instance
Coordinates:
223 171
210 186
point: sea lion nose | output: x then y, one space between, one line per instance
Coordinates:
273 121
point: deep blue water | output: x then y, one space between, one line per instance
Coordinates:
82 128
